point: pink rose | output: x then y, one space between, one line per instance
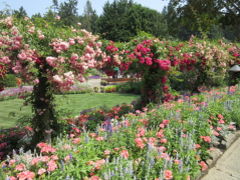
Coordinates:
124 154
168 174
41 171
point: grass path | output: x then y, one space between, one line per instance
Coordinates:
11 110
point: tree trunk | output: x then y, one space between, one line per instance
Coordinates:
44 121
151 91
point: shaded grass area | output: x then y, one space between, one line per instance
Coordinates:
73 104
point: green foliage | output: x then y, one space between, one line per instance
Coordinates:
93 72
9 80
104 83
122 19
130 87
214 19
68 12
110 89
89 18
21 13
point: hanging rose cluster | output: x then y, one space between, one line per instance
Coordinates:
26 46
146 56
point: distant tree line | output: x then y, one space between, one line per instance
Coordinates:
121 20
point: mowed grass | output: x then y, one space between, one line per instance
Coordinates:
11 110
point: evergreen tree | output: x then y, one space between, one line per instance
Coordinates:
55 5
112 23
21 13
89 18
37 15
68 12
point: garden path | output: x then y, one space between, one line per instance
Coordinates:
92 83
227 167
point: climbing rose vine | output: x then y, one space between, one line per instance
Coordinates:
51 58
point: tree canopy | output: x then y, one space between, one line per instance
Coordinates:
122 19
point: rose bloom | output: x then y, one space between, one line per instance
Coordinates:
93 134
99 138
161 149
162 125
164 156
221 121
219 128
168 174
20 167
67 147
141 132
116 149
67 158
41 171
11 162
44 158
160 134
206 138
12 178
41 144
197 146
124 154
215 133
26 175
163 140
139 143
48 149
54 157
99 163
203 165
107 152
165 122
51 165
76 140
94 178
220 116
232 127
35 161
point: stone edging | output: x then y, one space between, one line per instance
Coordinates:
218 151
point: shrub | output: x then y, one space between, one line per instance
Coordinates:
10 80
104 83
130 87
110 89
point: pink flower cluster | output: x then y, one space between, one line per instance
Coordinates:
206 139
144 54
187 63
46 148
65 81
97 164
60 46
164 65
111 48
5 60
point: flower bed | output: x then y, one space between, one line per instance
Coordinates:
15 93
172 141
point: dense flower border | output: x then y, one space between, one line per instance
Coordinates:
171 141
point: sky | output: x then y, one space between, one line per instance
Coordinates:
41 6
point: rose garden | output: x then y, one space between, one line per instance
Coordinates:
187 104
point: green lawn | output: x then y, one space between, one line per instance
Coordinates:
11 110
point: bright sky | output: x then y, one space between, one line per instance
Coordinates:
41 6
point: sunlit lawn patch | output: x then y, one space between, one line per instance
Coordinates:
12 109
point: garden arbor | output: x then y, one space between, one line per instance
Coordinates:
50 57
